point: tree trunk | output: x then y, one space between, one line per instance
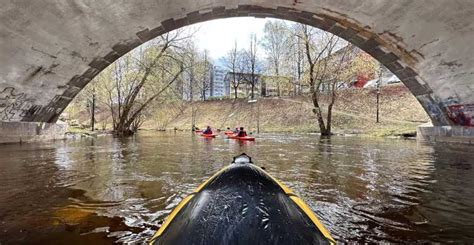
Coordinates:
278 80
235 93
252 95
329 120
191 89
319 114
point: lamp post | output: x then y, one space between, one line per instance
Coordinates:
258 113
378 93
93 111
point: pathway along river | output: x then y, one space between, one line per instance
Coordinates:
119 190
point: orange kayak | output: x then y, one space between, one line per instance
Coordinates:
241 138
209 135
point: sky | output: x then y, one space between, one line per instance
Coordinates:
218 36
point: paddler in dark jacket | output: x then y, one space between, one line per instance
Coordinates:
242 132
208 130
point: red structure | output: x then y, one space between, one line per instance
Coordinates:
360 81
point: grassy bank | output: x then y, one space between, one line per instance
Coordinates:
354 113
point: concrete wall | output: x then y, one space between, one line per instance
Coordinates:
448 134
51 49
18 132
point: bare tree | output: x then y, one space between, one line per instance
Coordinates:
252 64
133 82
189 74
233 62
205 69
295 58
275 42
325 61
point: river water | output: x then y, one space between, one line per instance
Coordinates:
108 190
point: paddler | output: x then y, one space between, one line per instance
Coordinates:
242 132
236 130
208 130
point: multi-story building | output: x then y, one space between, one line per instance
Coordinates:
245 84
218 88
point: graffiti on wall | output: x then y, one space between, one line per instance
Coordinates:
12 105
459 114
432 108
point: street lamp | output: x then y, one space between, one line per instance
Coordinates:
93 110
258 113
379 81
378 95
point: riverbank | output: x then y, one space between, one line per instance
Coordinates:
353 113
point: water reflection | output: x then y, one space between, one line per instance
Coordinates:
106 189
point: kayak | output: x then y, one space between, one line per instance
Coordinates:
242 204
209 135
241 138
228 133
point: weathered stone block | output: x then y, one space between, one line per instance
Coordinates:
145 35
121 48
79 81
194 16
326 24
356 40
17 132
405 73
169 25
370 44
218 10
348 33
394 67
91 73
388 58
181 22
99 63
376 52
71 92
112 56
157 31
336 29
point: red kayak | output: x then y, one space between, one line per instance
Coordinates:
209 135
241 138
229 133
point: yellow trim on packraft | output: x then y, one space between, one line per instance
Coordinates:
171 217
313 217
212 177
181 205
303 207
285 189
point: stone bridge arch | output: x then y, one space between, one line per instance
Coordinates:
51 49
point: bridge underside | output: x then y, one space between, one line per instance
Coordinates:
51 49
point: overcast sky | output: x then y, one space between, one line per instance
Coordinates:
218 36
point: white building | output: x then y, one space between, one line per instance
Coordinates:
218 82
